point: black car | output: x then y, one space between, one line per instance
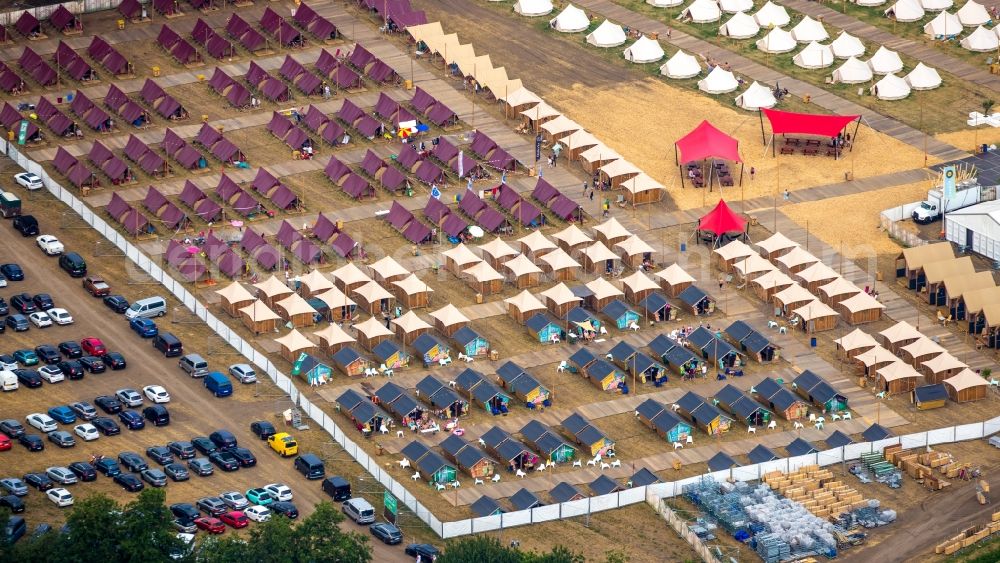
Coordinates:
160 454
83 470
132 461
426 551
93 364
129 482
48 353
23 303
115 361
108 466
4 308
108 404
223 439
285 509
12 428
262 429
184 511
107 426
244 456
157 415
182 449
131 419
12 503
389 534
71 369
43 301
201 467
176 471
32 442
12 272
71 349
28 378
62 439
116 303
203 445
27 225
18 323
213 506
224 460
39 481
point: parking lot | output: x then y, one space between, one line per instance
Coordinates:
193 410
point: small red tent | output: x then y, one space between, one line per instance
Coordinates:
703 142
722 220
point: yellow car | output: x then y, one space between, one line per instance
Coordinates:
283 443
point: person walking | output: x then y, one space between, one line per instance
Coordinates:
753 171
787 195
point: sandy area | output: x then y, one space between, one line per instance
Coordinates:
860 228
654 154
971 138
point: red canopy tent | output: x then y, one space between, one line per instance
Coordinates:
786 122
722 220
704 142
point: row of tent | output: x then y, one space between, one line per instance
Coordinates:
61 19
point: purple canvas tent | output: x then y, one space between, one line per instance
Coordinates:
63 161
81 104
64 20
99 48
230 263
314 118
279 125
501 159
226 151
392 179
74 65
471 204
131 9
151 91
10 82
335 170
444 151
434 211
386 107
307 252
291 68
116 169
346 78
324 229
189 266
208 136
135 223
463 165
191 194
167 38
153 164
404 20
482 144
402 115
288 35
238 29
227 188
408 157
264 181
429 173
99 153
417 233
244 204
166 7
284 198
270 21
350 112
371 163
399 216
208 210
135 148
326 63
117 207
544 192
360 57
332 132
115 98
380 72
491 220
213 247
11 119
37 68
304 15
526 213
296 138
287 234
323 29
508 197
454 225
563 207
357 187
237 95
368 126
256 74
275 90
265 254
28 25
252 240
308 83
343 245
422 101
79 175
154 200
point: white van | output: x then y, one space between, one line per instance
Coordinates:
8 380
147 308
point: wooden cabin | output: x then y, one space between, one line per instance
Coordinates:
859 309
468 458
896 378
820 393
448 319
743 407
511 453
663 421
474 386
560 299
367 417
656 308
780 400
559 266
293 344
593 440
671 353
926 397
775 246
910 261
721 461
390 355
430 465
485 280
432 350
523 272
296 310
350 362
725 256
259 318
941 367
545 329
606 376
523 306
371 332
696 301
547 443
332 338
470 343
966 386
234 297
459 258
523 385
752 342
312 370
816 317
674 280
620 315
411 292
703 414
444 401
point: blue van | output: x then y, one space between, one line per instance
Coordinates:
218 384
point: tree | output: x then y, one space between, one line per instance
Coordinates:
482 549
219 549
559 554
274 541
320 538
145 529
987 106
616 556
93 530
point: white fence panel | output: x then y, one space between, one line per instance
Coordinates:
660 490
854 451
829 457
882 444
940 436
575 508
746 472
991 426
545 513
518 518
477 525
913 440
794 463
632 496
775 465
603 502
969 431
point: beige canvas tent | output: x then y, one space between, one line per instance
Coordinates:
496 252
409 326
860 308
956 286
560 299
523 306
752 267
598 259
936 272
259 318
874 358
642 189
618 171
341 306
388 270
459 258
271 290
293 344
817 275
296 310
816 317
899 335
966 386
674 279
234 297
412 292
792 297
572 238
796 260
634 251
332 338
637 286
837 290
523 272
911 260
921 350
371 332
313 283
373 298
592 159
535 244
725 256
349 277
770 283
896 378
941 367
484 279
602 292
611 232
577 142
855 342
776 245
559 265
449 319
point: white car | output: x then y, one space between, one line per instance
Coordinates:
243 372
3 281
40 319
50 245
280 491
258 513
29 181
42 421
51 374
130 397
156 393
87 431
60 496
60 316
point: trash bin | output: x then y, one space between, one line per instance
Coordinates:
684 247
156 71
121 24
812 342
408 84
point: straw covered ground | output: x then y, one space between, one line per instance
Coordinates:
620 116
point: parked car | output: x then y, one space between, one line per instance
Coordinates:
284 444
60 316
223 439
286 509
218 384
213 506
5 443
83 410
194 365
168 344
31 442
244 456
12 271
40 319
17 323
176 471
224 460
8 362
108 404
234 500
61 475
43 301
22 302
70 349
258 513
29 181
235 518
71 369
87 432
11 428
259 496
243 373
107 426
27 225
145 328
108 466
12 503
184 511
132 461
83 471
129 482
73 264
201 467
14 486
96 286
131 419
63 414
337 487
203 445
62 439
182 449
42 422
156 393
114 360
154 477
184 526
386 532
116 303
26 357
426 551
40 481
160 454
210 525
157 415
279 491
262 429
93 346
51 374
48 353
60 497
4 307
130 397
93 364
359 510
28 377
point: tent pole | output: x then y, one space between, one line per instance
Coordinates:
681 168
676 161
772 146
742 167
856 127
763 137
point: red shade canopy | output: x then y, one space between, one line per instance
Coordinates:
722 220
783 122
706 141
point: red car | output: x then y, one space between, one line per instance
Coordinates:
4 443
210 525
235 518
93 346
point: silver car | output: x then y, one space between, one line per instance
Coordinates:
61 475
234 500
243 372
130 397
